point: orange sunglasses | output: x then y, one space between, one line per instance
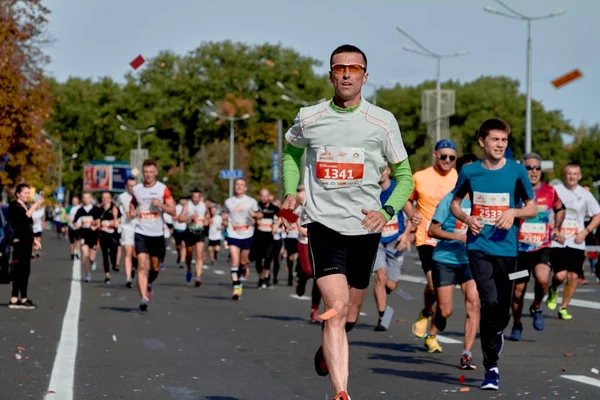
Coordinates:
339 69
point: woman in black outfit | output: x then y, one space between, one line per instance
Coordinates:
19 217
109 237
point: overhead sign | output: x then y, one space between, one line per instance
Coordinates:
567 78
59 195
231 174
105 177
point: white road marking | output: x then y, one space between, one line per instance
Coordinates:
63 371
362 314
529 296
447 340
219 272
583 379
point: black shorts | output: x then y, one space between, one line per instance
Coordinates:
567 259
179 237
450 274
154 246
191 238
334 253
37 234
73 235
242 244
291 246
214 243
170 226
426 257
89 238
527 261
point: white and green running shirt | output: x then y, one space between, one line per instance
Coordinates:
347 151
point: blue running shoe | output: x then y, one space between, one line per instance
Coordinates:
188 276
490 382
516 335
162 267
538 320
500 342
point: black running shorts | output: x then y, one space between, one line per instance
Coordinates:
426 257
334 253
568 259
154 246
528 260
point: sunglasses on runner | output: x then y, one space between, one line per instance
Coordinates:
443 157
339 69
533 167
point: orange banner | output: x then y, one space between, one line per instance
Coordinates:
567 78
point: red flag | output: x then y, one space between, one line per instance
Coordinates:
567 78
137 62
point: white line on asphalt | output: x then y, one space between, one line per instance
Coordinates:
583 379
529 296
219 272
63 371
447 340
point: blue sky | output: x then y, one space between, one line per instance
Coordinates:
95 38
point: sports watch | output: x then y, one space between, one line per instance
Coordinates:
389 210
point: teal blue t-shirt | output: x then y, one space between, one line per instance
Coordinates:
452 252
492 192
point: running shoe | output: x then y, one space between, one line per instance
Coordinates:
76 256
314 317
28 305
88 277
129 284
144 305
198 282
14 306
72 257
379 327
490 382
237 292
419 328
263 285
320 363
432 345
516 334
260 284
466 362
116 269
188 276
301 287
538 319
162 267
107 281
552 296
342 396
181 265
564 314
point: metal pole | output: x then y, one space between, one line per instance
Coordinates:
280 156
528 138
60 165
231 143
438 103
139 133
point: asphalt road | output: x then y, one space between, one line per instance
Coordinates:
198 344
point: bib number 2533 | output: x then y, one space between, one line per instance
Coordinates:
340 166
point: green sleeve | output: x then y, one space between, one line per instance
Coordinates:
403 189
292 162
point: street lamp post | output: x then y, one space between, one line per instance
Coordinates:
139 132
232 121
424 51
513 14
51 140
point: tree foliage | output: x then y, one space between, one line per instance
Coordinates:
24 95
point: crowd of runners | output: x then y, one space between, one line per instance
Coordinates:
488 225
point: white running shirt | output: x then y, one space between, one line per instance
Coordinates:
197 212
179 226
123 201
346 153
215 229
149 221
240 224
37 220
579 203
72 214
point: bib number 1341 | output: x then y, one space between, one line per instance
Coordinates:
340 166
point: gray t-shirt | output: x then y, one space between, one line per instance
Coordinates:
346 154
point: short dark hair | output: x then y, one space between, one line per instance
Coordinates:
196 190
348 48
149 163
493 124
131 178
20 187
465 159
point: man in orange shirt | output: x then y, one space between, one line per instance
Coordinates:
431 185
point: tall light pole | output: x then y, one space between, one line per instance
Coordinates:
139 132
51 140
232 121
424 51
518 16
